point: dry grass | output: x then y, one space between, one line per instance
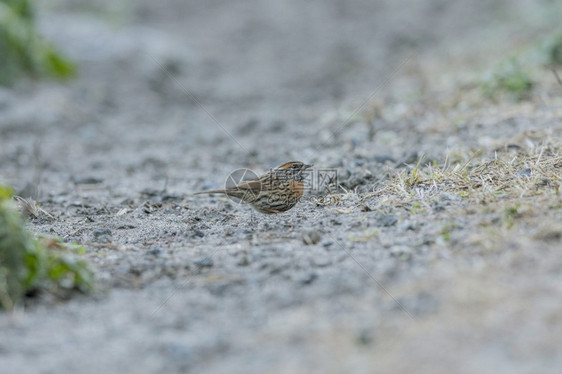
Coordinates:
30 208
508 173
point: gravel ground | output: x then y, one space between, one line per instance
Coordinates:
173 96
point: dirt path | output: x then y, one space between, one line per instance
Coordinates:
172 97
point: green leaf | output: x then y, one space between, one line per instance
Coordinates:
6 193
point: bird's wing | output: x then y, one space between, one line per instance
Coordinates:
253 185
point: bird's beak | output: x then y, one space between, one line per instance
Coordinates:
307 166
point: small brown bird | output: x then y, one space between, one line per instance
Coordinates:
274 192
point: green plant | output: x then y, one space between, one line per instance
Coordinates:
413 178
22 50
417 208
509 215
28 264
553 50
508 77
446 230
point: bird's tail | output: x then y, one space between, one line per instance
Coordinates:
210 192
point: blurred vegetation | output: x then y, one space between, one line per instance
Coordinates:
509 77
29 265
516 77
553 50
22 51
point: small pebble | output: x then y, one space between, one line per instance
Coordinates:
524 172
311 237
101 231
198 234
387 220
365 337
243 261
438 207
155 251
402 252
449 197
86 180
543 182
307 278
321 261
407 225
204 262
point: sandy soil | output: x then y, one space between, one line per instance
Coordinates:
172 96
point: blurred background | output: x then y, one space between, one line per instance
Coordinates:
228 83
112 113
195 76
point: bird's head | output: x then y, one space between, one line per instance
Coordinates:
294 169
